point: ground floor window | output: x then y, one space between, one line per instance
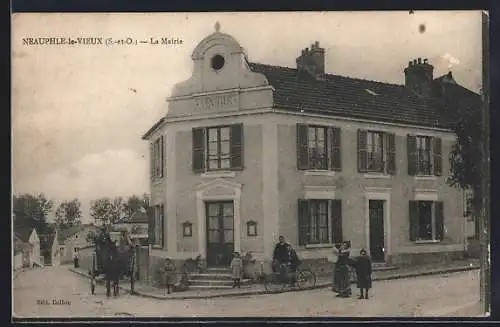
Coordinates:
320 221
156 226
426 221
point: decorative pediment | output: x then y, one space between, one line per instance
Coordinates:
219 187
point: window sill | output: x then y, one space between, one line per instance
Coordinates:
375 175
319 246
319 173
218 174
425 178
427 242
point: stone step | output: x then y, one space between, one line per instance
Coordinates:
218 270
215 282
214 287
218 276
383 267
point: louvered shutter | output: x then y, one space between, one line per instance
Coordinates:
335 141
412 154
162 156
337 232
439 219
151 160
302 147
162 224
198 150
236 139
413 214
151 225
303 217
391 153
437 154
362 153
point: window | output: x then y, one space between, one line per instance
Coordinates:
426 221
157 158
376 152
424 155
217 148
155 228
320 221
76 249
318 148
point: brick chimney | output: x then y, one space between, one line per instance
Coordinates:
312 61
419 77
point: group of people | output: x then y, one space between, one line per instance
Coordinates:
342 278
286 261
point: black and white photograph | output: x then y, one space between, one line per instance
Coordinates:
250 164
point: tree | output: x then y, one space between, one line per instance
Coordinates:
69 213
106 211
31 211
135 203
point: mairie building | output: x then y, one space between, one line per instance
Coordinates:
248 151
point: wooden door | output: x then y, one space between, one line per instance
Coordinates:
377 238
220 233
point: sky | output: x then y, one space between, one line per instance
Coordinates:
79 112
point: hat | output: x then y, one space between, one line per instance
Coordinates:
363 251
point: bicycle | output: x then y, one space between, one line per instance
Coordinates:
277 282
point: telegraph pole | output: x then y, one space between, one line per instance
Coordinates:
484 230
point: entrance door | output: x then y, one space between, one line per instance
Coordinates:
377 240
220 233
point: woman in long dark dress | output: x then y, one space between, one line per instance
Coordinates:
342 283
363 265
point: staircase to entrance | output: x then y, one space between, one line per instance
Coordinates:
214 278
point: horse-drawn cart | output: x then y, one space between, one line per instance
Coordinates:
114 262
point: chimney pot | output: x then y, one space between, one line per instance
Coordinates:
307 50
425 60
410 63
414 61
316 44
419 61
303 51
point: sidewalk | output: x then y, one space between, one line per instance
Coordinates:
321 282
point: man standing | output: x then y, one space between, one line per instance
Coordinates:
281 257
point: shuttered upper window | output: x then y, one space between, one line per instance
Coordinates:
320 221
426 221
217 148
424 155
376 152
318 147
157 158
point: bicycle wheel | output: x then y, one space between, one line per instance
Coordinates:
273 284
306 278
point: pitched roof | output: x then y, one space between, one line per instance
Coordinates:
23 233
138 217
352 97
64 234
19 245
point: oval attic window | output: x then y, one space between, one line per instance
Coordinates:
217 62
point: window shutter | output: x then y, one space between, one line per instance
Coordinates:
362 153
391 153
336 206
162 156
236 139
335 141
439 219
151 160
303 216
162 224
437 153
198 150
302 147
412 154
413 220
151 225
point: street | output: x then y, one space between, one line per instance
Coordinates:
57 292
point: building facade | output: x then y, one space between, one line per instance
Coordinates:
247 152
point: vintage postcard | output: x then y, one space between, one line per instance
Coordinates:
298 164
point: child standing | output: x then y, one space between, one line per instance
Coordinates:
237 269
363 266
169 271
